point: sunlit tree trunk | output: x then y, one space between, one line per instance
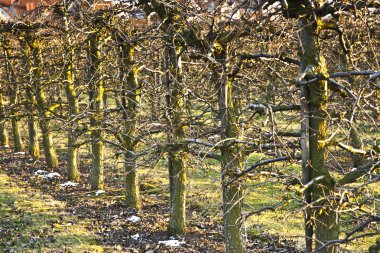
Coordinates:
13 97
326 223
230 153
97 116
130 101
3 129
68 77
42 105
33 147
33 55
176 138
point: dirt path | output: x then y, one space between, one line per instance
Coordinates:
34 222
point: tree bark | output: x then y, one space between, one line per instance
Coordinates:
231 154
130 101
306 169
33 147
97 116
18 144
4 141
326 225
35 56
176 139
68 77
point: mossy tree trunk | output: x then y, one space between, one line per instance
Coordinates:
42 104
231 153
3 128
176 138
326 225
130 102
96 105
68 78
33 147
14 91
33 57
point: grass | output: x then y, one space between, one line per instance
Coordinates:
33 222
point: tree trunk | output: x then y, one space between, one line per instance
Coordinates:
68 77
13 95
130 101
231 154
176 139
306 170
3 129
326 225
33 148
42 105
96 118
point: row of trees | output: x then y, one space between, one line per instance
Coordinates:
294 80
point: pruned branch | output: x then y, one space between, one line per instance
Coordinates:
275 108
356 173
352 232
258 164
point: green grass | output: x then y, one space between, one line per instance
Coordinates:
33 222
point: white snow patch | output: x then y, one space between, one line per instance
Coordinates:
68 184
19 153
328 18
52 175
97 193
40 172
134 218
135 237
6 146
172 243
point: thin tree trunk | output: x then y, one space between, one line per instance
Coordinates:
97 116
306 169
14 94
42 105
33 148
3 128
68 76
326 225
130 100
355 140
176 139
231 155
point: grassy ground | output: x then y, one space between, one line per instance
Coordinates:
34 222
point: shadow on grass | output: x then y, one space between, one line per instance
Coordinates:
32 222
